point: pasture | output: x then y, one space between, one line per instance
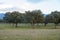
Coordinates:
25 32
28 26
30 34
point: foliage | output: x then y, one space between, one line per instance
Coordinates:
13 17
32 17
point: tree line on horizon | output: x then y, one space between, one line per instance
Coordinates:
32 17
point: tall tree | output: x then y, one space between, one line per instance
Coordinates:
56 17
13 17
34 16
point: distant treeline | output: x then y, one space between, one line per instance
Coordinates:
32 17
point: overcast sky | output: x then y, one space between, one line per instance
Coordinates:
46 6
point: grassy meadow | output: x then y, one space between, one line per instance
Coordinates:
28 26
25 32
30 34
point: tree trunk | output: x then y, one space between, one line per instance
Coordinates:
45 24
16 25
33 25
55 26
13 25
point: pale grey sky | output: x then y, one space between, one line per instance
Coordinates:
46 6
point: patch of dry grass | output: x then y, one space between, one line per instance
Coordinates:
30 34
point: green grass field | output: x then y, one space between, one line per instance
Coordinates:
28 26
25 32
